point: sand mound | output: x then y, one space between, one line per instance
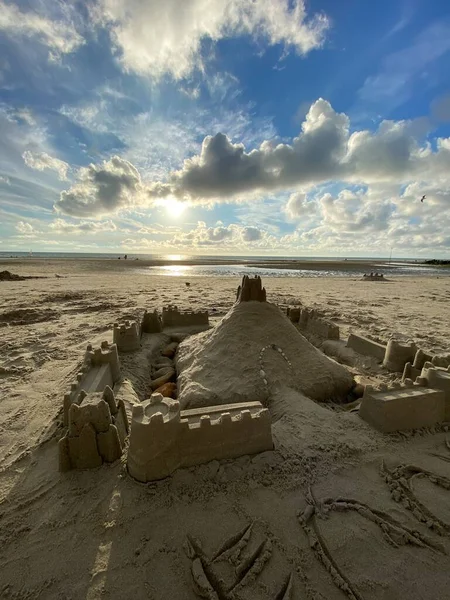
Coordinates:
254 351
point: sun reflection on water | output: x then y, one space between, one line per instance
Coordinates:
176 270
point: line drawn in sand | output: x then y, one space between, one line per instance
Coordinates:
210 583
401 484
393 532
442 456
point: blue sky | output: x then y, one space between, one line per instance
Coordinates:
225 127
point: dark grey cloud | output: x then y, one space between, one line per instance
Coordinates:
102 189
251 234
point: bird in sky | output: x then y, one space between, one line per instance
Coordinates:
423 198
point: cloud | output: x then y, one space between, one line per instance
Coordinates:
296 205
251 234
4 179
224 171
60 36
26 229
166 36
231 236
103 189
355 212
63 227
323 151
41 161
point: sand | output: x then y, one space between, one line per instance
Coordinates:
100 534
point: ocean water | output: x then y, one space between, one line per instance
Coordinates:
239 270
237 266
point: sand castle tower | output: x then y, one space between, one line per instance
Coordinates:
253 351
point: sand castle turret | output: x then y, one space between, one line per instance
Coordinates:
127 336
398 354
151 322
251 290
98 426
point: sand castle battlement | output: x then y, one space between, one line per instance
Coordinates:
101 367
98 426
311 321
402 407
173 317
127 336
163 438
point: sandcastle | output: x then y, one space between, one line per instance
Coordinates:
98 426
222 381
373 277
164 438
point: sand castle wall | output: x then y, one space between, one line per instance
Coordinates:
311 322
172 317
101 368
127 336
366 347
402 407
163 438
98 426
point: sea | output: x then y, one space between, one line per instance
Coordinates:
237 266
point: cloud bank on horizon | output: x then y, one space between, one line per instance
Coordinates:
225 126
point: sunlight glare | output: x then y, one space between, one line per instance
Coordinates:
174 207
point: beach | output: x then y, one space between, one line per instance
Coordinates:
100 534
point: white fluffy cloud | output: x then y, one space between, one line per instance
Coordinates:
202 236
26 229
379 177
60 36
324 151
165 36
82 227
41 161
103 189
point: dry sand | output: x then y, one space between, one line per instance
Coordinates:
99 534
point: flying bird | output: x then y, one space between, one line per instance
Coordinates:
423 198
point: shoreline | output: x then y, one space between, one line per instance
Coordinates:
25 265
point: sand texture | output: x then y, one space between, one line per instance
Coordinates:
337 511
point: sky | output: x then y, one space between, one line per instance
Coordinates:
229 127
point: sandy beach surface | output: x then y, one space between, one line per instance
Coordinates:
100 534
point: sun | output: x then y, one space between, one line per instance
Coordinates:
174 207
